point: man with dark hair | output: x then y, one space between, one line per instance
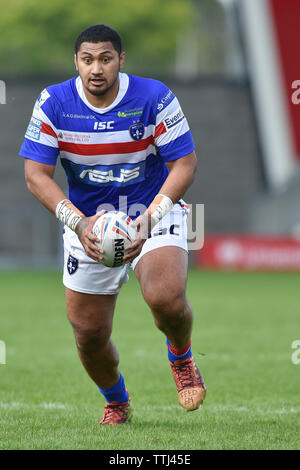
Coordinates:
99 33
124 141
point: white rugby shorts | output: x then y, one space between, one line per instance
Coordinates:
82 274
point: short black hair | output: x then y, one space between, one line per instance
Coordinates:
99 33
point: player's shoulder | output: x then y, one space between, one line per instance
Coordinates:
151 88
152 84
55 95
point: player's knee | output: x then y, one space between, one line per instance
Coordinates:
89 340
169 310
170 303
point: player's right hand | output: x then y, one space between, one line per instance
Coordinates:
87 238
143 226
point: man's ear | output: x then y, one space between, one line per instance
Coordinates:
122 59
75 62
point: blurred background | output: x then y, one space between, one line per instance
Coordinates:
235 69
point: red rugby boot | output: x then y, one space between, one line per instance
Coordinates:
189 382
116 413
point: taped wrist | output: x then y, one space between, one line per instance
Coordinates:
159 207
68 214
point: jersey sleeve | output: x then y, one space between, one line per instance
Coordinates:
173 137
40 142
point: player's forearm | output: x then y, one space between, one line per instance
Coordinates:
39 179
46 190
181 176
177 184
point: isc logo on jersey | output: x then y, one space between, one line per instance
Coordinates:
101 126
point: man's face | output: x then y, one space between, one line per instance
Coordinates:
98 66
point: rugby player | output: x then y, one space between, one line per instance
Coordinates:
119 138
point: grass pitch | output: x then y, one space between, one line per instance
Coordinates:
244 326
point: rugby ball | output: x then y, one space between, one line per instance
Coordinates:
115 233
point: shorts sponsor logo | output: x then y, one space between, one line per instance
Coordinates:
174 119
72 264
174 230
34 129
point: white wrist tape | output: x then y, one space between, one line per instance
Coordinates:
159 207
66 212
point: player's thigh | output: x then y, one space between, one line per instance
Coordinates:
90 313
162 274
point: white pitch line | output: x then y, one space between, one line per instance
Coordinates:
55 406
208 408
11 405
47 406
256 410
240 356
229 408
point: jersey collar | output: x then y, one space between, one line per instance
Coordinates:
124 82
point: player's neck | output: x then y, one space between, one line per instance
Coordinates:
105 100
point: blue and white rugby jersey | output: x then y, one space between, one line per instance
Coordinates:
118 151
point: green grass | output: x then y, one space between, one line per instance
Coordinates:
244 326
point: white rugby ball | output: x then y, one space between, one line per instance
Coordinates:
115 233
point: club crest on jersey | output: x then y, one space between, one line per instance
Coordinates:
137 131
72 264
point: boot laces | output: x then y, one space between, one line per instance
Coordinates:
184 374
115 412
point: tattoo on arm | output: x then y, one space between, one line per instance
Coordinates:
82 225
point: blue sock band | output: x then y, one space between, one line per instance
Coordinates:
117 392
176 357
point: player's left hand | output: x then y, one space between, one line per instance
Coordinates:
88 239
143 226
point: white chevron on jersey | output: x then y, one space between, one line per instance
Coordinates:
111 159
